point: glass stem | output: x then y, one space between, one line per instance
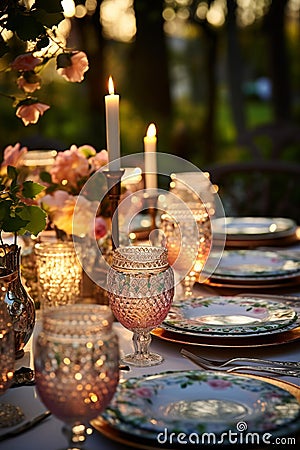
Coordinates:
141 342
187 284
76 435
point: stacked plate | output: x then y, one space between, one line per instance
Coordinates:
224 321
170 409
254 231
255 269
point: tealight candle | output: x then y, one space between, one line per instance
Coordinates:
150 157
112 127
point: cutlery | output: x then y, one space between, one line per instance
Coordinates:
231 361
25 376
25 426
282 371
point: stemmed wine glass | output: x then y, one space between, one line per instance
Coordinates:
9 414
187 236
76 358
141 289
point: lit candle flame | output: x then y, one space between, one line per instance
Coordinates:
151 132
111 88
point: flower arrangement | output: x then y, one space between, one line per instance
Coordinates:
35 24
66 178
19 211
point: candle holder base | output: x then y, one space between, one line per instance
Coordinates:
113 178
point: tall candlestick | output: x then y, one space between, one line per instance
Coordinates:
112 127
150 157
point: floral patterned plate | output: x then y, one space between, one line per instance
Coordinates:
230 316
154 406
255 265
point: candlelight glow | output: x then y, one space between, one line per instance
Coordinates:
151 132
111 88
68 7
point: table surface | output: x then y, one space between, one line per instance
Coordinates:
48 435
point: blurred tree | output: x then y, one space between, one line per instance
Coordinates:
208 129
88 30
148 64
235 68
279 62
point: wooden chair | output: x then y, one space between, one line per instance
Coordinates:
268 184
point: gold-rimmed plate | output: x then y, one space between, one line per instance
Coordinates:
253 228
169 335
194 386
227 316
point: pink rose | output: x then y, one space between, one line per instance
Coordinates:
143 392
55 201
72 66
100 228
28 85
72 214
259 310
70 165
219 384
13 155
99 160
30 113
25 62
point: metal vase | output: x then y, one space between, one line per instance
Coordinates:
20 305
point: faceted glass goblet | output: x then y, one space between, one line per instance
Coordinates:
188 237
141 290
76 361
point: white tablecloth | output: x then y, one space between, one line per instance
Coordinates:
48 436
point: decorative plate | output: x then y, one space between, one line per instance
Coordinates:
256 265
255 227
154 406
229 316
169 334
140 440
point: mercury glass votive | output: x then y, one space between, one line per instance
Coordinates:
76 360
59 273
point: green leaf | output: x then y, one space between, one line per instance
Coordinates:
48 19
27 27
31 189
42 43
13 224
12 172
4 48
36 219
5 206
46 177
51 6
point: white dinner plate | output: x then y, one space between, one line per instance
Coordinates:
197 402
229 316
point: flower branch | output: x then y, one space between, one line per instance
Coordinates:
37 27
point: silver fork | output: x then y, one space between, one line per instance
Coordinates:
282 371
231 361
